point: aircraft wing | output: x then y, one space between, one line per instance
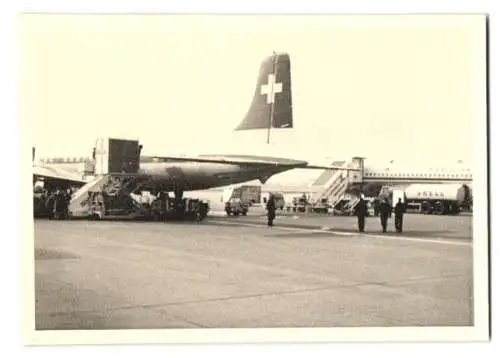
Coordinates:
232 159
56 173
247 160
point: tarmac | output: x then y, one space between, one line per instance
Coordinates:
307 271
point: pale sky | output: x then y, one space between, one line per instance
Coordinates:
379 87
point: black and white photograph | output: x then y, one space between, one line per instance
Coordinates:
222 178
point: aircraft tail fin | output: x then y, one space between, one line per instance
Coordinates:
271 106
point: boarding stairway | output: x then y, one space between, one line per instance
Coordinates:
116 189
349 206
334 188
79 205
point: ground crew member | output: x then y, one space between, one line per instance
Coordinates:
271 210
49 205
376 207
399 210
67 201
360 210
59 201
163 203
385 212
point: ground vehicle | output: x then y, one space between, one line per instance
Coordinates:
279 200
126 207
441 199
236 207
299 204
248 194
321 207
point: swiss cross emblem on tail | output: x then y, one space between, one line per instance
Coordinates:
271 106
271 88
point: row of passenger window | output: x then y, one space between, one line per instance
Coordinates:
421 175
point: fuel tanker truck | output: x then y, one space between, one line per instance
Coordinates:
441 199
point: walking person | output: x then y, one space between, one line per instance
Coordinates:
271 210
361 210
385 212
399 210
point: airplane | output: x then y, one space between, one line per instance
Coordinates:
271 107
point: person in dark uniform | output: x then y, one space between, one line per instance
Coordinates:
361 210
163 203
59 205
271 210
49 204
64 204
399 210
385 212
376 207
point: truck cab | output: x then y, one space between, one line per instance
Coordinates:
236 207
279 200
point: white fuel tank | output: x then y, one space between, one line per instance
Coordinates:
450 192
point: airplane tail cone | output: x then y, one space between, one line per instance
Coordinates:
271 106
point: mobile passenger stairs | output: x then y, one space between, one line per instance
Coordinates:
113 192
332 190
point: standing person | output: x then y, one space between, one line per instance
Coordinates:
163 196
399 210
360 210
59 205
271 210
376 207
385 212
50 204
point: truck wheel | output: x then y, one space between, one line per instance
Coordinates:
244 213
440 208
236 213
426 208
228 213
